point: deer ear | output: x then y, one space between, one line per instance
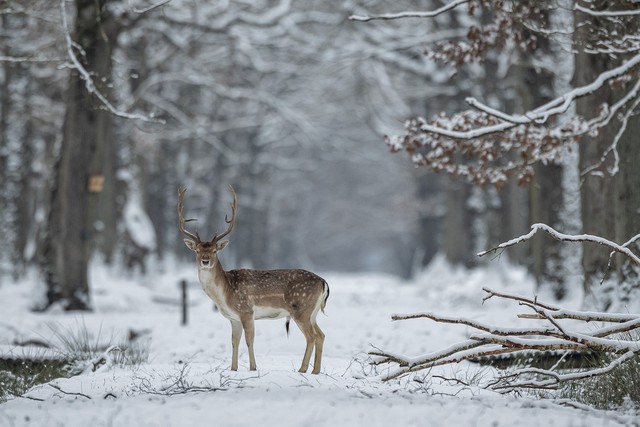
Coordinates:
190 244
222 244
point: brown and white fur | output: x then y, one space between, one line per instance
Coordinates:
244 296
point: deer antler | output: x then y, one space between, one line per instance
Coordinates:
230 222
182 221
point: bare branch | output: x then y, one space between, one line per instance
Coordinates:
613 148
534 301
68 393
88 80
568 238
29 59
539 115
497 340
556 378
148 8
586 316
609 13
400 15
477 325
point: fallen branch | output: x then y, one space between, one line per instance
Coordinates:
556 336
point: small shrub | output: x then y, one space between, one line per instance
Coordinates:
80 348
77 349
19 375
613 390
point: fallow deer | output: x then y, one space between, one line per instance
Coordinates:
243 296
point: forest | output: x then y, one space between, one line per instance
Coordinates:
151 99
411 144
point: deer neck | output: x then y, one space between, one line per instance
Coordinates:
213 279
216 285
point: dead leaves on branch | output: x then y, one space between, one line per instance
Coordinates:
490 159
506 25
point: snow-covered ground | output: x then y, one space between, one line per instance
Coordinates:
187 380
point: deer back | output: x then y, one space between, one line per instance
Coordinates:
279 290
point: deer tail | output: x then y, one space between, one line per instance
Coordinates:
286 325
326 297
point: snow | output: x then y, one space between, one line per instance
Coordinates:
138 223
187 380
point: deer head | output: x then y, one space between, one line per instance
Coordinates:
206 251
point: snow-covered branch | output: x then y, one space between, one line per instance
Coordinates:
29 59
224 91
89 84
539 115
632 97
556 336
606 13
622 249
400 15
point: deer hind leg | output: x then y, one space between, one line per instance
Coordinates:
236 334
319 342
249 333
310 335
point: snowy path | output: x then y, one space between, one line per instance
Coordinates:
345 394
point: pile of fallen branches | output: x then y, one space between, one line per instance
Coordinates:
612 340
554 335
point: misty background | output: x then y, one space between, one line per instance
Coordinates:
108 107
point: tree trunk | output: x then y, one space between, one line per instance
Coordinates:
597 190
429 195
546 205
15 150
75 219
627 183
534 87
459 241
6 217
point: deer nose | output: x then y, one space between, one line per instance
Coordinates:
205 262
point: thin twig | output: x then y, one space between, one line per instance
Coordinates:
148 8
69 393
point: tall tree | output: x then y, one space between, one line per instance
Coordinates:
499 145
80 175
597 193
610 180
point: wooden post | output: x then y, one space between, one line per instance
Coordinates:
183 286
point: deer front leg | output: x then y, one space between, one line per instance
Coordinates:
309 334
249 333
236 334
